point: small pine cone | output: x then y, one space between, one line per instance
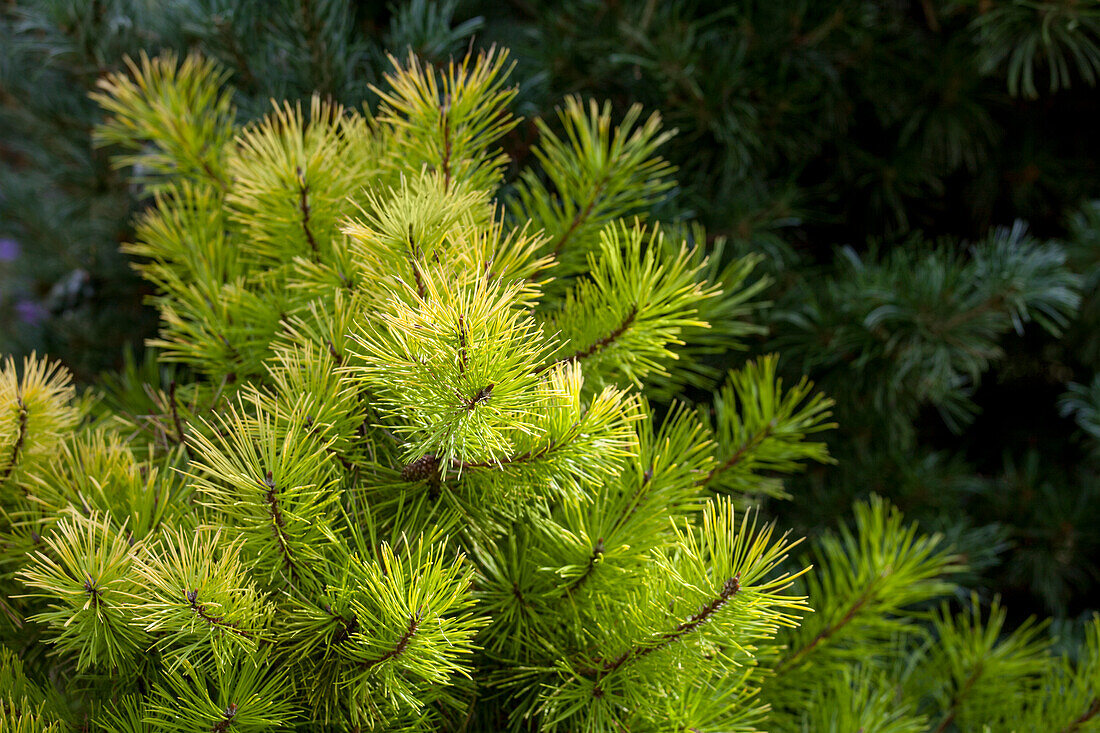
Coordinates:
422 469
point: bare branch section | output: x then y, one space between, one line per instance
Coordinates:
427 467
278 525
19 440
445 122
303 206
414 261
227 719
181 434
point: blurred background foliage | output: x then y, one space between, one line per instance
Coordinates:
921 177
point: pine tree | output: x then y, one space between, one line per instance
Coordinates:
399 466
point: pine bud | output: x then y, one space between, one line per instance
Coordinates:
422 469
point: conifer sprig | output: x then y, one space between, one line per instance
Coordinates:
182 108
35 411
448 121
761 430
975 662
623 320
245 696
91 584
268 476
199 600
591 175
921 325
736 599
461 357
1025 36
318 156
871 577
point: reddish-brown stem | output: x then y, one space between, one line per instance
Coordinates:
738 454
278 524
402 643
599 344
445 121
1091 712
729 589
219 621
303 206
830 629
20 438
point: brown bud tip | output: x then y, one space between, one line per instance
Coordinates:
422 469
731 586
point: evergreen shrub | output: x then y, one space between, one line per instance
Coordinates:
417 455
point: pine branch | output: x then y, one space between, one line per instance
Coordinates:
181 435
626 318
581 216
930 17
214 177
349 626
957 697
452 116
593 175
175 117
829 629
991 305
1092 711
597 345
445 122
729 589
414 262
761 429
866 580
972 666
593 559
223 725
428 465
218 621
733 460
636 500
398 648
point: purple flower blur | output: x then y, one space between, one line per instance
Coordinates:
9 250
31 312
